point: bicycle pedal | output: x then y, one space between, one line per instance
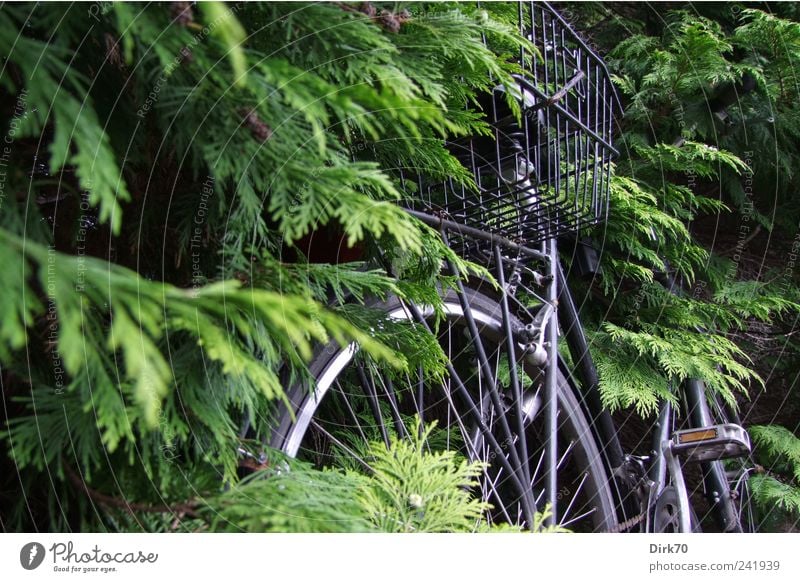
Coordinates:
711 443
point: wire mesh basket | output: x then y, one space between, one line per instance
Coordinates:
546 173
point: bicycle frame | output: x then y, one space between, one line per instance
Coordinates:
624 470
561 310
546 175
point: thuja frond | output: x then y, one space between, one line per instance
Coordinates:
54 91
324 282
244 330
780 445
704 160
770 493
775 480
644 233
778 39
411 490
755 299
540 522
421 349
231 34
682 354
408 488
628 379
290 498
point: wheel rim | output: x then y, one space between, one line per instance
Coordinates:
348 391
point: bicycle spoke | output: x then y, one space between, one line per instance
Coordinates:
537 178
372 397
579 517
339 443
473 452
575 496
420 398
538 467
473 409
388 387
491 484
480 410
516 389
566 452
346 400
495 398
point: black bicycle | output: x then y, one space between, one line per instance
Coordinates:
509 398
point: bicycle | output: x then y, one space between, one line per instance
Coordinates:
509 399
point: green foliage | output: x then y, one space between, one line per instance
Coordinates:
774 43
770 493
290 498
158 295
679 355
781 447
407 489
628 380
670 81
112 327
776 481
53 92
412 490
680 165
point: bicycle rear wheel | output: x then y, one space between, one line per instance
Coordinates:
352 400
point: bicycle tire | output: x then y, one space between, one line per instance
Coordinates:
587 503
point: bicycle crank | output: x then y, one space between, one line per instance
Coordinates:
666 517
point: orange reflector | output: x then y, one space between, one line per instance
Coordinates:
697 435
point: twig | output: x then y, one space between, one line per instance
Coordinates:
179 509
389 21
740 245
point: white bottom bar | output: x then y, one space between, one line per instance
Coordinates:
375 557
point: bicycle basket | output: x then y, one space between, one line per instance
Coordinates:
547 173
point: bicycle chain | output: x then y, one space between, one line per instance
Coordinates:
628 523
632 472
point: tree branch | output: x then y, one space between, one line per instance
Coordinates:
187 508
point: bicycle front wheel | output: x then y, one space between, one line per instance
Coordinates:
352 400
